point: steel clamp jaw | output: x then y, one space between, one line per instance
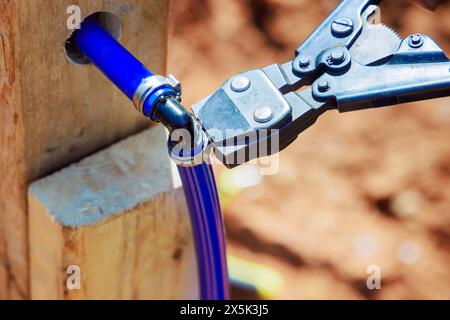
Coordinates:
414 72
347 63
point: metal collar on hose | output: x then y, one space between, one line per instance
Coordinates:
151 89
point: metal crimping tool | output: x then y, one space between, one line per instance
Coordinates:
349 62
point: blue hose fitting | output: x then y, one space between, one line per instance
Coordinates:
155 96
152 90
140 85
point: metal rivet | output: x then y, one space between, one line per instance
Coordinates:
240 84
342 27
323 86
415 41
263 114
303 62
337 56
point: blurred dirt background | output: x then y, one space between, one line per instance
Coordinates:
357 189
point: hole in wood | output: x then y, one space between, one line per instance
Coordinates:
109 21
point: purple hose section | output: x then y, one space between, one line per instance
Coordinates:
207 225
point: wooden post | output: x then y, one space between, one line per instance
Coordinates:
54 112
115 224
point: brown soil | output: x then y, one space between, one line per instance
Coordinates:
356 189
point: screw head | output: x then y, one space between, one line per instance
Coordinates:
263 114
323 86
342 27
303 62
337 56
240 84
415 41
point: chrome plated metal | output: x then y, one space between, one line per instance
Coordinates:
349 62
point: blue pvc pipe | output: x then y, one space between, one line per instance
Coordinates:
119 65
126 72
107 54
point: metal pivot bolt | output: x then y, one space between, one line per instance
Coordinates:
240 84
415 41
303 62
263 114
323 86
337 56
342 27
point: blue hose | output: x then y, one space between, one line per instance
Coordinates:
115 62
107 54
207 224
127 73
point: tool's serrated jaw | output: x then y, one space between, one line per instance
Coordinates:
376 41
394 33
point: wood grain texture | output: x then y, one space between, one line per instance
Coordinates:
120 216
13 223
54 112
